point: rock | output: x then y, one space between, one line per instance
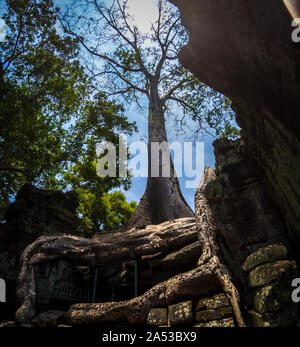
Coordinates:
181 314
215 302
59 282
256 64
285 318
272 298
222 323
34 212
40 212
265 255
247 221
255 199
209 315
49 318
267 273
158 317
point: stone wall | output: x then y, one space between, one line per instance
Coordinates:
253 238
255 246
37 212
244 50
212 311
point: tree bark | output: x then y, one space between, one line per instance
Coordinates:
105 248
162 200
210 272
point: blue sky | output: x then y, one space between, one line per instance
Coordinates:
145 13
139 183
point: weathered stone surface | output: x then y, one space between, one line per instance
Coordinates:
35 212
39 212
158 317
265 255
212 303
272 298
243 213
181 314
61 283
222 323
274 319
276 271
252 76
256 64
208 315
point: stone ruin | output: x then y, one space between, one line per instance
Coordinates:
114 268
231 265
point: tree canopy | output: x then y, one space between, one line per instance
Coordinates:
51 115
59 74
134 63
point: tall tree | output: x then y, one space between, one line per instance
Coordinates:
51 116
138 64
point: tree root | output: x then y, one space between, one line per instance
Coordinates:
209 273
210 251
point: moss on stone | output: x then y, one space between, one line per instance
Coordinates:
215 302
181 313
264 255
267 273
208 315
222 323
272 298
158 317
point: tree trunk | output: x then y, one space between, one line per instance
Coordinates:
209 272
162 200
106 248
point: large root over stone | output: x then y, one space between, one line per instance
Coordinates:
210 251
209 273
105 248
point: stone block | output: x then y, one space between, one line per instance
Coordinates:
212 303
272 298
277 271
158 317
264 255
285 318
222 323
181 314
209 315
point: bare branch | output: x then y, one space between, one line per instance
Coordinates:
112 23
116 72
172 90
102 56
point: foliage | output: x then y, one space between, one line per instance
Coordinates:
51 115
137 63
